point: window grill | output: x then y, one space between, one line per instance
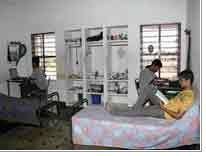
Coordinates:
166 42
44 46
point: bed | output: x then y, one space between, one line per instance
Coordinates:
94 126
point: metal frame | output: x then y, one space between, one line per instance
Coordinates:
178 54
43 48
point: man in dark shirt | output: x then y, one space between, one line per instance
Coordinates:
38 75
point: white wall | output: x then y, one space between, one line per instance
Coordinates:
20 18
193 23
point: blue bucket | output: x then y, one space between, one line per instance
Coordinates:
96 99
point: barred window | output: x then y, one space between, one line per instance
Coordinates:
44 46
162 41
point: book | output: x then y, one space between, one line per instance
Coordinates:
162 97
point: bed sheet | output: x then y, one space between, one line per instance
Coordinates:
94 126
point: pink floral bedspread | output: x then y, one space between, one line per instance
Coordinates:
94 126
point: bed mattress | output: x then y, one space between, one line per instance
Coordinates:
95 126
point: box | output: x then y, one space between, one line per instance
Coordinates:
96 99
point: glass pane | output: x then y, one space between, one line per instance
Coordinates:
146 45
50 69
169 50
147 60
38 49
152 33
170 67
49 49
50 64
169 32
49 40
150 39
41 63
38 54
169 26
49 44
49 36
145 50
49 61
50 53
169 39
170 76
150 28
169 44
38 44
38 39
48 73
169 59
52 77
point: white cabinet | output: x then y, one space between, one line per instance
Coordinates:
97 63
117 64
74 64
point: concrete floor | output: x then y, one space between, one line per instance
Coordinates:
36 138
56 137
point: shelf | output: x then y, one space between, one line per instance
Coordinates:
75 79
145 53
95 43
94 93
73 45
95 28
117 42
87 82
95 80
117 26
117 80
115 94
110 43
73 30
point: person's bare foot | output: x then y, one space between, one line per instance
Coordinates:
107 107
147 104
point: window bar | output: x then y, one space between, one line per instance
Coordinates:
141 47
44 66
179 48
159 47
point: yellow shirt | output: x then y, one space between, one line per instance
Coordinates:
182 102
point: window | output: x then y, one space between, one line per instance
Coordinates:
165 40
44 46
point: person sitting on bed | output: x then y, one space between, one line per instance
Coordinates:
175 108
147 84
